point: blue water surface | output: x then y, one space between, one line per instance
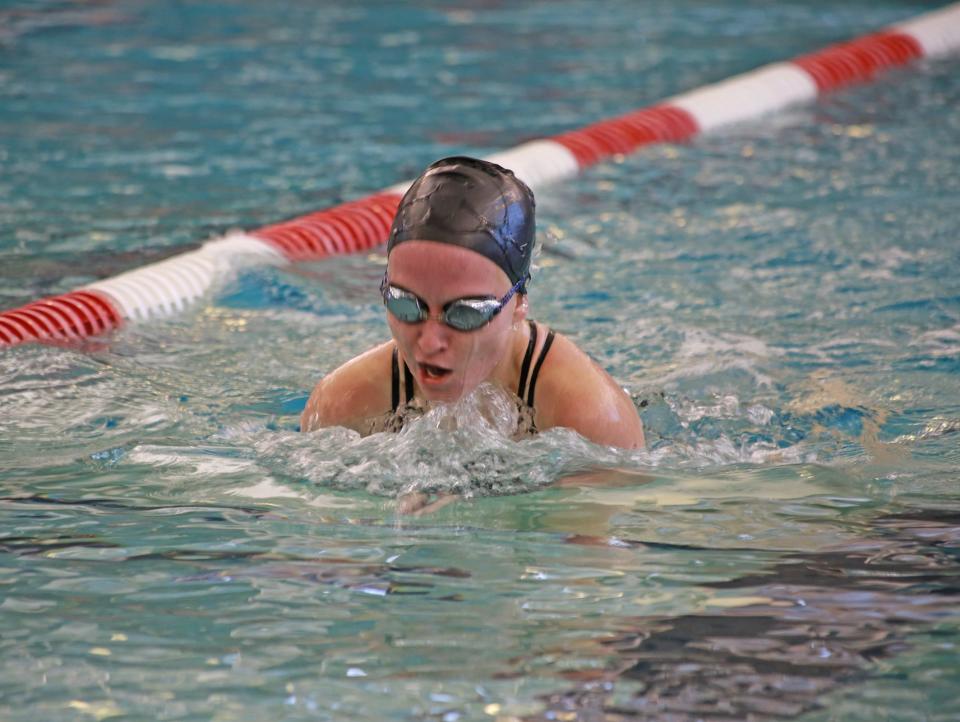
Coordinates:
781 299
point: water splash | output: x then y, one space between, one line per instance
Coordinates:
462 448
466 448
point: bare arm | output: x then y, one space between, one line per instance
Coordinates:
352 394
576 393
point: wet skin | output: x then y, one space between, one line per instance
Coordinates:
448 364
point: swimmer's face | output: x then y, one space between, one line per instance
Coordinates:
448 364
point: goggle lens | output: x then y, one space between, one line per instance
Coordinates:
406 307
464 317
463 314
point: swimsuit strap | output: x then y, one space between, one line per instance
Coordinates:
408 381
536 369
395 381
527 358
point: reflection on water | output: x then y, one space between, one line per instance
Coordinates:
551 621
794 632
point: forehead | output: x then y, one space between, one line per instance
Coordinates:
428 267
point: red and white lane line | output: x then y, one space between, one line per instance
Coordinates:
168 286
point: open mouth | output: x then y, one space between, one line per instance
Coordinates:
434 372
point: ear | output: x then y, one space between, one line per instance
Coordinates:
520 310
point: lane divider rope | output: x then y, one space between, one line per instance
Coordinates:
170 285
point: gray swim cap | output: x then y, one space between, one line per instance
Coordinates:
474 204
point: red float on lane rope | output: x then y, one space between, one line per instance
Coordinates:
348 228
70 316
626 133
363 224
859 60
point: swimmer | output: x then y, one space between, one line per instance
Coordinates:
455 292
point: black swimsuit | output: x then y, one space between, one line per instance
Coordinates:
399 412
527 358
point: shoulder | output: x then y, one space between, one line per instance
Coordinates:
575 392
352 393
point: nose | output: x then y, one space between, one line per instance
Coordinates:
433 337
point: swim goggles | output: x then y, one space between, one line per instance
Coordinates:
462 314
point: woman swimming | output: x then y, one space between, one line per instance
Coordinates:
458 261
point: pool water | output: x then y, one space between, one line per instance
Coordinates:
782 301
